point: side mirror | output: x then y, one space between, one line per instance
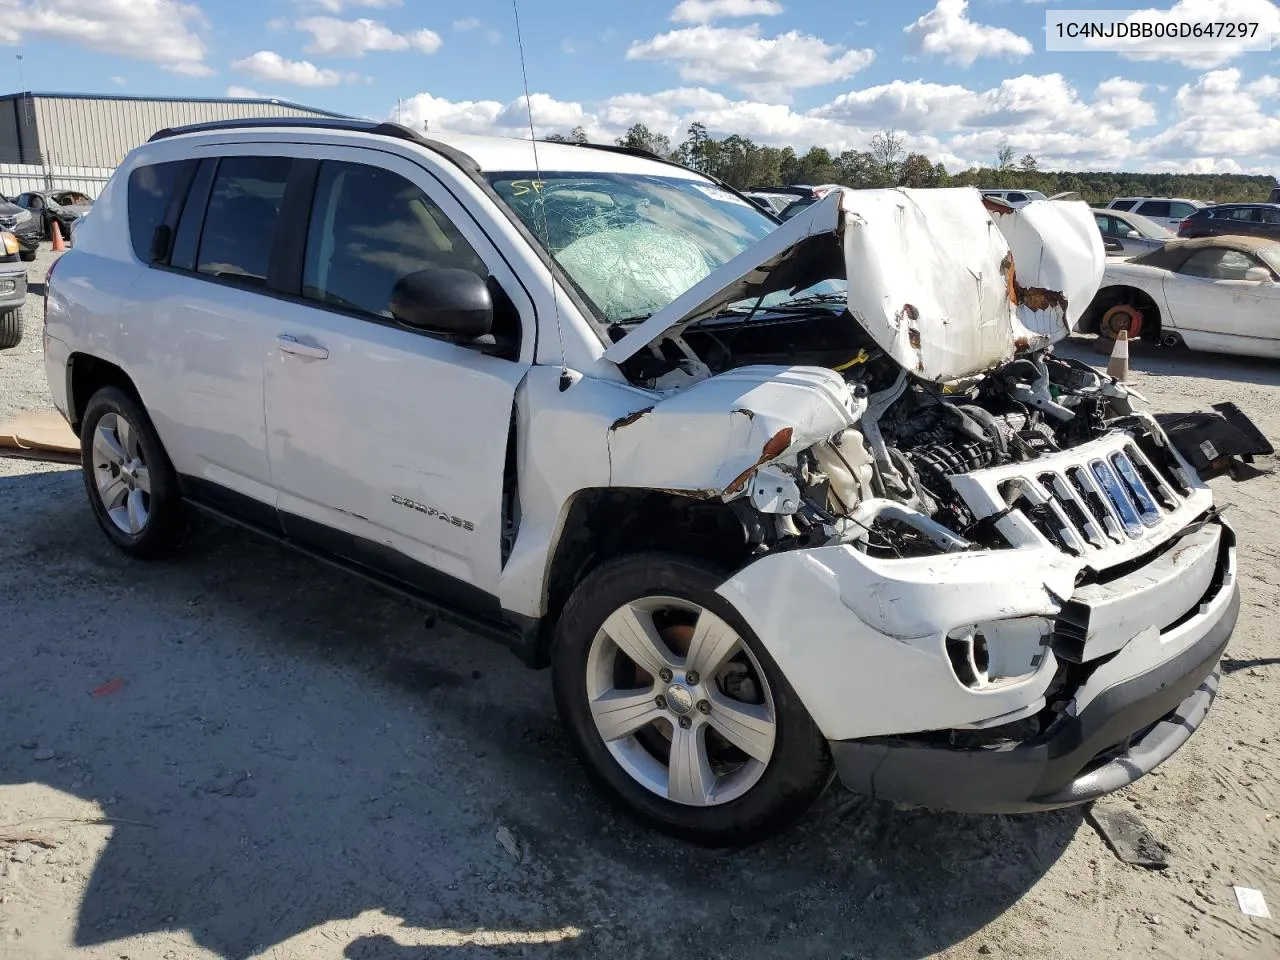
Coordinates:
454 303
1133 235
1258 275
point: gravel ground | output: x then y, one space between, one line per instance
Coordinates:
243 754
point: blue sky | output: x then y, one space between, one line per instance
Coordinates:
959 78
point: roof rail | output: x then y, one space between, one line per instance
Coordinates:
375 128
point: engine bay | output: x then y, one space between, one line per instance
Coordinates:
888 484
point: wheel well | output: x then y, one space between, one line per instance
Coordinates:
1109 297
86 375
602 524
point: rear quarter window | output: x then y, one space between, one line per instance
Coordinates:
151 188
1122 204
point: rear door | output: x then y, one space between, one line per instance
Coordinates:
1160 211
388 445
210 309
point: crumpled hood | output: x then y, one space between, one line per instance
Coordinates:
945 282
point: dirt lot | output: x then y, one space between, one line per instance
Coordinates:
296 766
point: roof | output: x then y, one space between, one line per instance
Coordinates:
507 153
1243 203
1174 252
268 101
478 154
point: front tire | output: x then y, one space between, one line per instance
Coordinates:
675 707
130 482
10 328
26 256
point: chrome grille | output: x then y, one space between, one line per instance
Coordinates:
1094 502
8 221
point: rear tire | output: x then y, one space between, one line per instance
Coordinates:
10 328
131 484
1172 341
726 792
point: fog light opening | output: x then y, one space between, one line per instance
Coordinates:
969 658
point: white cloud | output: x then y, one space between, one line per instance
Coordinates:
704 11
766 67
947 32
470 23
163 32
335 6
119 81
354 38
244 93
1262 12
1220 122
269 66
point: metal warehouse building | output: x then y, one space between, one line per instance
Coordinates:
73 141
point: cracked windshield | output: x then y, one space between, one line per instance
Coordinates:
632 244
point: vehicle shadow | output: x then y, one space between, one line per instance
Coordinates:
291 749
1177 362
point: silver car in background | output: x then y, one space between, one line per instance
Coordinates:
1129 234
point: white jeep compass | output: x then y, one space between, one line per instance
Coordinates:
767 499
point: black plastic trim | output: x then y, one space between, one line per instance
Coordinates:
289 246
190 221
1123 733
230 503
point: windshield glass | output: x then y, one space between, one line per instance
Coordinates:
632 243
1148 228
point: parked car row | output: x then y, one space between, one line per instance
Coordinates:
30 216
13 289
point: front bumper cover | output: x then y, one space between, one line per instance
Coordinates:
1126 730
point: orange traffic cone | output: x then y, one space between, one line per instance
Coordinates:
58 245
1118 365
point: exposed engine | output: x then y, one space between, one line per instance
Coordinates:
887 482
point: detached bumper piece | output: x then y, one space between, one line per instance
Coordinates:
1124 729
1211 441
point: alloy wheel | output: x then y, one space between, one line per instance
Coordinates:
680 701
120 474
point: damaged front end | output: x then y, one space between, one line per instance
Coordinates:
993 582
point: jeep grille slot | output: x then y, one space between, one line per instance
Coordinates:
1090 502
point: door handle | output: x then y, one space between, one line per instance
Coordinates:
291 344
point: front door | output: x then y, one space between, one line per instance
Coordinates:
388 445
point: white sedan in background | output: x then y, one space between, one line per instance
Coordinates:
1217 293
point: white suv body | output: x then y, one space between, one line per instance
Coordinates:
1166 211
749 539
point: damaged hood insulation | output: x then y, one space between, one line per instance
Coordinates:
948 283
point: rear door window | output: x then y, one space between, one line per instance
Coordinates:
240 223
1159 209
151 192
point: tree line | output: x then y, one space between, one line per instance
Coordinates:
739 161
